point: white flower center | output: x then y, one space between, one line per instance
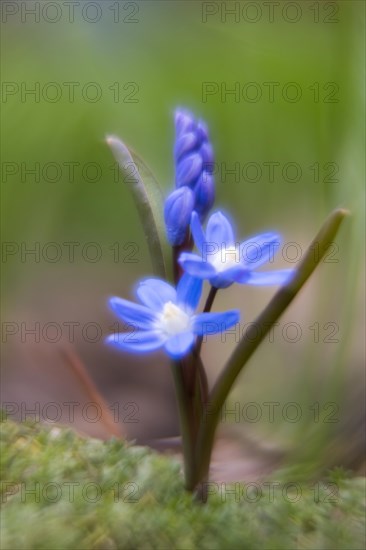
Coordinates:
173 320
225 258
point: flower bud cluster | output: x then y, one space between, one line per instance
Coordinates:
194 161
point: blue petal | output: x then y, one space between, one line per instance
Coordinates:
178 209
207 154
204 191
188 170
212 323
220 281
232 273
279 277
202 131
189 291
184 121
229 276
135 314
184 145
137 342
194 265
259 249
219 230
197 232
179 345
154 293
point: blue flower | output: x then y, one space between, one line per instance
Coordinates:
194 163
224 261
166 317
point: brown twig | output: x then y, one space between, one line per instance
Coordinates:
73 361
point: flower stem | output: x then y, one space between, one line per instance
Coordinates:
203 383
254 337
185 418
177 250
201 373
210 300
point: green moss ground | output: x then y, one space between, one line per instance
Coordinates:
61 491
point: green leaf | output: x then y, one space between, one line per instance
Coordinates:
149 202
251 341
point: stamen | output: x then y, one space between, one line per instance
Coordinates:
225 258
173 320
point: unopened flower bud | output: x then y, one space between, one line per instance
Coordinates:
204 194
177 214
184 145
189 170
184 122
207 154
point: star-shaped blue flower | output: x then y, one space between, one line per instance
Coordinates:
223 261
166 317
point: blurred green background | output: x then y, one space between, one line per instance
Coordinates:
145 59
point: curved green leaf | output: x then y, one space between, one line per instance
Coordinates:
250 342
149 202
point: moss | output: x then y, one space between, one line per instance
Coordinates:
62 491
